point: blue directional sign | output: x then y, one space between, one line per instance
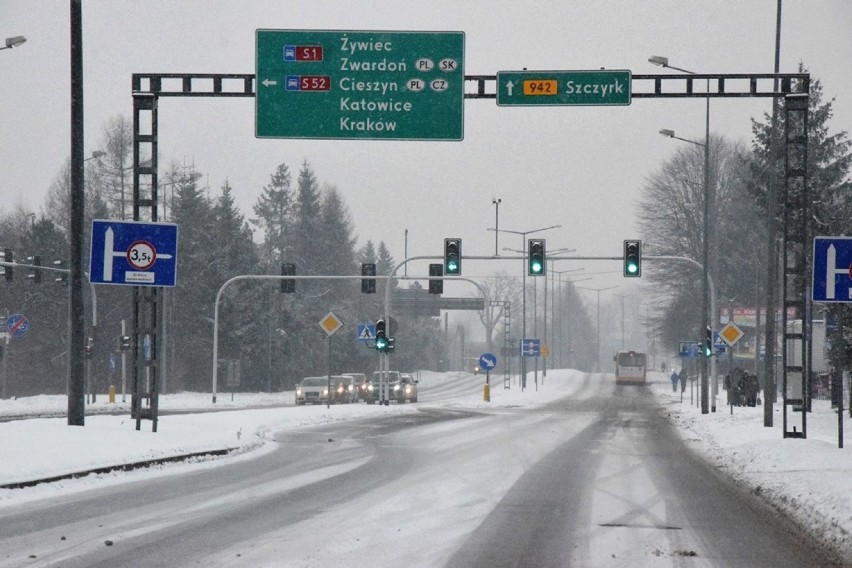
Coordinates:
133 253
719 343
832 276
487 361
530 347
689 348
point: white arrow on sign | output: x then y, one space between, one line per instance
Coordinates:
831 270
268 83
510 87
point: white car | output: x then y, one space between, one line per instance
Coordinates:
313 390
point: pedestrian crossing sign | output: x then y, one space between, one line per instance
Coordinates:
366 332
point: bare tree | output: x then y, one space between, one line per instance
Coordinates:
671 223
500 289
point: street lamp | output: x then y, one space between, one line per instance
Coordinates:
14 42
496 201
553 310
598 324
664 62
97 154
524 287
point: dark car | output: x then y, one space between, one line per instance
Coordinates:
406 389
374 388
343 389
361 384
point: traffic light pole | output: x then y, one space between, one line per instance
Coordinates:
388 305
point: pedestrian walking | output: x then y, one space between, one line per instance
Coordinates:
675 379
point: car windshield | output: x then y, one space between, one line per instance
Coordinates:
314 382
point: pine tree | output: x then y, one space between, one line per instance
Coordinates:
275 214
828 169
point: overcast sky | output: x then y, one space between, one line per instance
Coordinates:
581 167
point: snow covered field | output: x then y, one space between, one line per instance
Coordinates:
810 479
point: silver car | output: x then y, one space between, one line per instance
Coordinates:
312 390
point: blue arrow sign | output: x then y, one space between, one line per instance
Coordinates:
831 273
487 361
133 253
530 347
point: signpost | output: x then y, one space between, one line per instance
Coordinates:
832 283
342 84
487 362
133 253
563 88
329 324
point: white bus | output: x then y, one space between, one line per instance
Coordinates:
629 368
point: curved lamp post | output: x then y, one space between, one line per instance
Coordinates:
707 321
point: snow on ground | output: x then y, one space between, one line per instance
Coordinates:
810 479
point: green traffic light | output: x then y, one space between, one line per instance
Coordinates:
536 267
381 343
632 268
452 266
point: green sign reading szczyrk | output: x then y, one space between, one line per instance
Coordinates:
359 85
570 88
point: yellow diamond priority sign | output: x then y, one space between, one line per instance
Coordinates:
330 324
731 333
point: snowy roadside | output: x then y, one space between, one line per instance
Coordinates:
47 448
807 479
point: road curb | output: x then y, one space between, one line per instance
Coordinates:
120 467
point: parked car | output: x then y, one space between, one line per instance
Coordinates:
312 390
361 383
406 389
373 389
343 389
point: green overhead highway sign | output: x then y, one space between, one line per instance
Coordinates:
359 85
563 88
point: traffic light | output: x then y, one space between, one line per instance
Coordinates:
36 273
436 286
288 285
381 336
368 285
89 347
708 342
124 342
452 257
535 257
632 259
8 257
62 276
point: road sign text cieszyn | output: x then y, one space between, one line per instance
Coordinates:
359 85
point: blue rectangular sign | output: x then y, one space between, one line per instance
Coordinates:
133 253
530 347
832 263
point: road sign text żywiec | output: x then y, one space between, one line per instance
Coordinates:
359 85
